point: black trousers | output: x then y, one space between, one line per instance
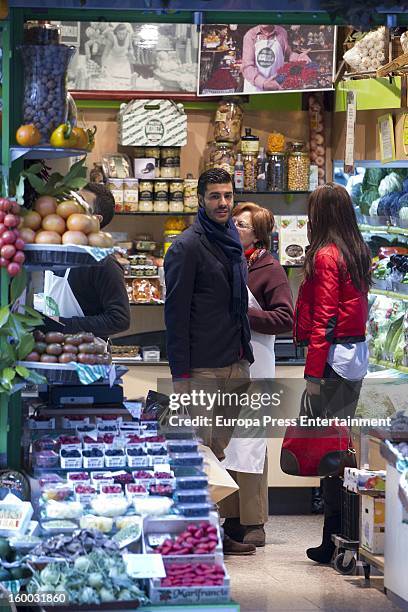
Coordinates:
339 398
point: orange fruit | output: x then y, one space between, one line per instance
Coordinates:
28 135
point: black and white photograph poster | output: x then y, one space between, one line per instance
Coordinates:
132 56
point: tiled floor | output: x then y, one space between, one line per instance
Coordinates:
280 578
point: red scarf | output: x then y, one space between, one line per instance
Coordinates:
252 255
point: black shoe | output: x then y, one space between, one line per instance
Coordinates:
233 528
324 552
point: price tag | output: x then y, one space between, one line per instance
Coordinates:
350 129
145 566
164 467
156 539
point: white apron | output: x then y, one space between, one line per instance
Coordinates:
59 299
248 454
269 57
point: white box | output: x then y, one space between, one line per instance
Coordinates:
372 524
144 168
71 463
145 123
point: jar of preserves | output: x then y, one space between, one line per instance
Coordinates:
161 191
276 173
190 194
221 155
228 121
145 190
145 206
298 168
154 153
250 171
170 162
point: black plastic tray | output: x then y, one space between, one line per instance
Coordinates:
59 256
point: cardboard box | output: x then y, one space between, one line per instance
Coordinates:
372 524
144 123
144 169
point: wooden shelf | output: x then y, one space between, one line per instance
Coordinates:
374 560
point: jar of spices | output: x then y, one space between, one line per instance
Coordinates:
154 152
250 171
276 173
170 162
221 155
228 121
298 168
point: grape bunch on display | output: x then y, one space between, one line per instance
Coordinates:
11 242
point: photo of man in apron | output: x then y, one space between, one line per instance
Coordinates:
265 51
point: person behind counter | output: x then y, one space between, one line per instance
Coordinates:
270 312
92 298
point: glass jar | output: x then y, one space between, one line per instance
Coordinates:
146 206
161 191
298 168
190 194
228 121
145 190
138 152
250 171
276 173
39 33
221 155
170 162
154 153
161 206
45 95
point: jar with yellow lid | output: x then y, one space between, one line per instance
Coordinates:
298 168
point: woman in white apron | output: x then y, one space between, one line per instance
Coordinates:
270 311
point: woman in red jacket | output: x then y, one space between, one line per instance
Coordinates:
270 312
330 319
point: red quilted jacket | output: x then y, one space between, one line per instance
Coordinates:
329 310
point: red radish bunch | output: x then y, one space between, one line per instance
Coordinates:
193 574
199 539
11 242
134 488
160 489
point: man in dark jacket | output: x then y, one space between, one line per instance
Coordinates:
208 335
100 290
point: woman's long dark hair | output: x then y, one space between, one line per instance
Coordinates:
333 220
